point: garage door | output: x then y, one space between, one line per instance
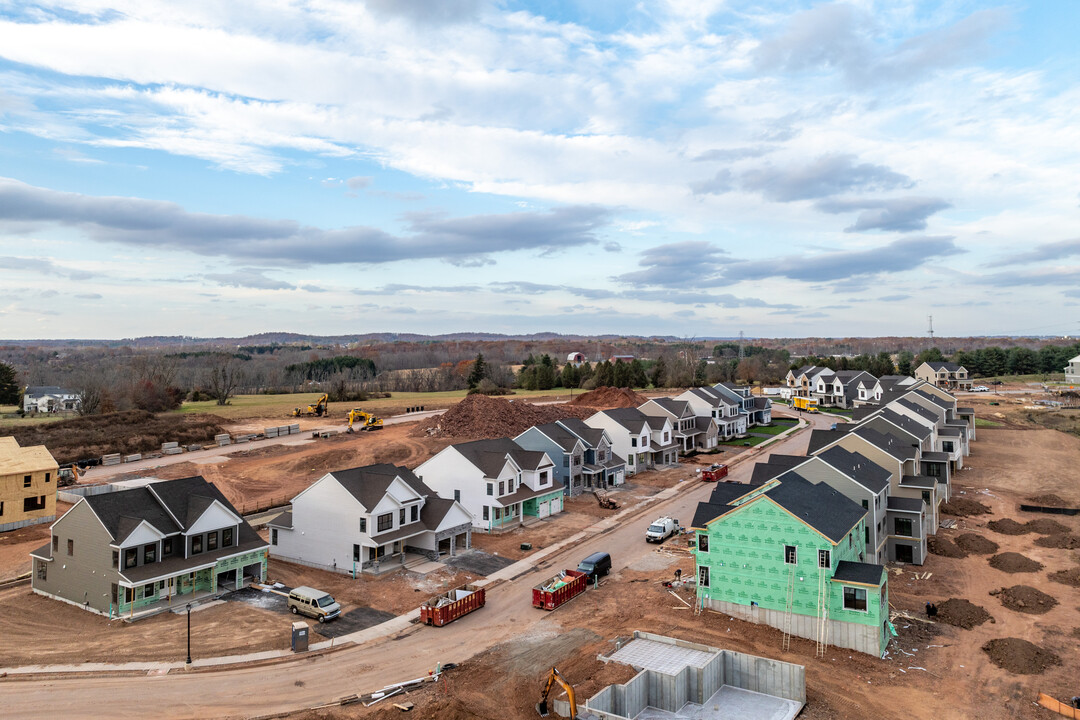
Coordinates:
543 509
556 505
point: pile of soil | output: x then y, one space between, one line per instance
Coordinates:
609 397
976 544
961 613
1011 562
479 417
1048 500
1008 526
1067 577
1061 542
128 432
1025 599
963 507
1045 526
943 546
1019 656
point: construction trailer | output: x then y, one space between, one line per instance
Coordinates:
560 589
451 605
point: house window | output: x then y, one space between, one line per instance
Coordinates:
273 536
115 558
26 481
854 599
865 504
491 488
790 555
227 537
703 542
48 477
947 445
33 503
414 513
630 460
633 442
363 524
498 513
385 522
150 553
401 516
502 488
566 461
877 502
902 527
703 576
42 570
56 544
457 496
71 547
666 438
932 470
129 595
509 486
867 532
148 590
166 546
196 544
824 559
211 541
544 478
926 496
485 512
356 553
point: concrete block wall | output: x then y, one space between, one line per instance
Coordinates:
853 636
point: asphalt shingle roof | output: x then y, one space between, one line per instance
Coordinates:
589 435
903 504
819 506
489 456
860 469
888 443
368 484
186 498
858 572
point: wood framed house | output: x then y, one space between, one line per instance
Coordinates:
566 450
27 485
1072 371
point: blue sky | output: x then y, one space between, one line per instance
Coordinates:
690 168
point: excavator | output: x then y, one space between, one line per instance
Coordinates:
556 677
368 421
317 410
68 475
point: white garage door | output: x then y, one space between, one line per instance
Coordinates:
543 509
556 505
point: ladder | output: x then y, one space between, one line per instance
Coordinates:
786 645
823 613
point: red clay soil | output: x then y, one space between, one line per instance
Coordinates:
1061 542
1011 562
1008 526
1067 577
976 544
964 507
1019 656
609 397
961 613
479 416
943 546
1025 599
1045 526
1047 500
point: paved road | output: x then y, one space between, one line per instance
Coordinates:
305 682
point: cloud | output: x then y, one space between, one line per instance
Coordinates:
153 223
359 182
1040 253
249 278
612 246
89 296
851 266
1048 276
906 214
731 154
35 265
313 288
691 263
426 12
719 184
524 288
827 175
894 298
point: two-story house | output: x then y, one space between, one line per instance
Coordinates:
363 519
682 417
27 485
1072 371
603 468
709 404
49 398
645 441
497 481
565 449
947 375
135 552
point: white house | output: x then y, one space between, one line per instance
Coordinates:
363 518
721 408
1072 370
645 441
49 398
497 481
688 434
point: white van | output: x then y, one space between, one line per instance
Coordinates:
661 529
313 603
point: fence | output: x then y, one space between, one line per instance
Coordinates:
263 505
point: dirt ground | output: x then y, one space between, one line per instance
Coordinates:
15 545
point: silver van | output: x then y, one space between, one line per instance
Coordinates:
313 603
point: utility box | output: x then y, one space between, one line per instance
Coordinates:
300 632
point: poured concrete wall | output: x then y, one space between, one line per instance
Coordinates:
854 636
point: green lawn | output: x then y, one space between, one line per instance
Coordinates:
746 442
8 418
785 421
774 429
982 423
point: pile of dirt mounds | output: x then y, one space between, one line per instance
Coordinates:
1025 599
976 544
943 546
610 397
1008 526
1067 577
127 432
1011 562
1019 656
1045 526
961 613
1063 541
480 417
1048 500
964 507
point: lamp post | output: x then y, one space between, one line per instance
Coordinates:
189 634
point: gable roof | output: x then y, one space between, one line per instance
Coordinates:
888 443
824 509
489 456
719 502
559 435
821 438
369 483
715 399
776 466
630 418
158 504
920 410
589 435
38 391
940 365
678 408
858 572
906 423
15 460
861 469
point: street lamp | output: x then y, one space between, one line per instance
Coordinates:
189 634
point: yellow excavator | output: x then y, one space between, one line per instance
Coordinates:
556 677
368 421
317 410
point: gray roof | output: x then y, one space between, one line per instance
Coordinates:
37 391
678 408
935 456
489 456
887 443
951 431
939 365
368 484
762 403
910 425
560 436
589 435
919 481
920 410
821 438
966 410
719 502
714 399
858 572
819 506
630 418
657 423
776 466
903 504
857 467
434 510
939 401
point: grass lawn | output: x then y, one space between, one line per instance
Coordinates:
982 423
784 421
746 442
774 429
8 418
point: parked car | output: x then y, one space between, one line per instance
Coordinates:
980 388
596 565
661 529
313 603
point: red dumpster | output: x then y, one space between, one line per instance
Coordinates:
714 473
555 591
452 604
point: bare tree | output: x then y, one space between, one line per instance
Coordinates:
222 378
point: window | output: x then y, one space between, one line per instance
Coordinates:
401 516
630 460
633 442
385 522
902 527
115 558
854 599
211 541
544 478
485 512
42 570
932 470
33 503
129 595
877 502
363 523
56 544
166 546
457 496
150 553
415 513
824 559
926 496
148 590
667 438
71 547
509 486
946 445
196 544
790 555
850 539
1 508
498 513
502 488
26 481
356 553
48 477
273 536
703 576
865 504
703 542
566 461
867 532
491 488
227 537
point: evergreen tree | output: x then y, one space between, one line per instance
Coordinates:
699 374
638 379
479 370
659 373
584 373
621 373
9 388
570 377
605 376
904 362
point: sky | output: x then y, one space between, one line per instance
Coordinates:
691 168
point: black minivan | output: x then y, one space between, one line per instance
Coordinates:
596 565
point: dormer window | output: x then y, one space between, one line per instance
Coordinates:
131 558
227 537
150 553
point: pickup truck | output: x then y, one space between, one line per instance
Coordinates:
661 529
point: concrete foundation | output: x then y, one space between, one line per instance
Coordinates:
853 636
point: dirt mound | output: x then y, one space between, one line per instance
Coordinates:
961 613
1048 500
128 432
963 507
1044 526
1008 526
1011 562
944 547
976 544
609 397
479 417
1067 577
1061 542
1025 599
1019 656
